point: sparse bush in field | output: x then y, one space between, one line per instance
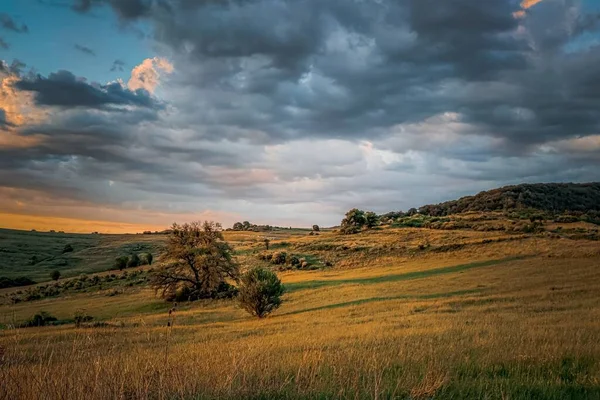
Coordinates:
40 319
266 241
133 261
279 257
81 317
146 259
294 261
67 249
260 292
55 275
121 263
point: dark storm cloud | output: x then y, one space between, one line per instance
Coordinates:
84 49
64 89
125 9
117 65
8 23
3 44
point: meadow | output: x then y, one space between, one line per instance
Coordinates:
396 312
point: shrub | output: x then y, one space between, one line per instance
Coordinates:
279 257
260 291
121 262
294 261
316 228
40 319
80 317
146 259
67 249
133 261
55 275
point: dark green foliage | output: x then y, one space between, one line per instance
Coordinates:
550 197
55 275
357 220
260 291
316 228
198 263
295 261
121 262
8 282
146 259
40 319
67 249
133 261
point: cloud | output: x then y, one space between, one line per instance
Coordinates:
3 44
147 75
84 50
64 89
292 112
117 65
8 23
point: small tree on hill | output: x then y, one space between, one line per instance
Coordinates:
67 249
353 221
55 275
260 292
121 263
371 219
198 262
238 226
133 261
316 228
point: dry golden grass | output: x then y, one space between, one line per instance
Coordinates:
491 319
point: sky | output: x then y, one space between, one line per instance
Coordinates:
127 115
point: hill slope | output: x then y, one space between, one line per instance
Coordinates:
551 197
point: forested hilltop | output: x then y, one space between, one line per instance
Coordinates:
550 197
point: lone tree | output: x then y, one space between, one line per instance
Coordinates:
316 228
198 263
133 261
355 220
55 275
121 263
260 291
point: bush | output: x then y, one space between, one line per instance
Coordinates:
40 319
133 261
279 257
67 249
80 317
260 291
55 275
146 259
294 261
121 262
316 228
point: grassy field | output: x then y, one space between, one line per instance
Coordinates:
402 313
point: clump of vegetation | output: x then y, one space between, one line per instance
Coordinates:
357 220
40 319
260 292
133 261
266 241
81 317
121 262
198 263
279 257
247 226
67 249
15 282
55 275
316 228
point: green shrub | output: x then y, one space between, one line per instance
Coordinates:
279 257
55 275
260 292
40 319
67 249
133 261
121 263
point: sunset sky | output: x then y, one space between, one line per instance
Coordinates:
126 115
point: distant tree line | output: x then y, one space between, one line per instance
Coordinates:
247 226
549 197
6 282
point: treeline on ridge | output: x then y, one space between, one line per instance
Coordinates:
549 197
